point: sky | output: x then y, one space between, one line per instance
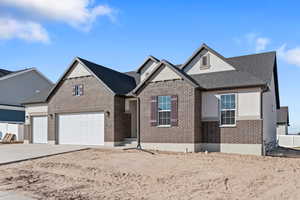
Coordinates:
48 34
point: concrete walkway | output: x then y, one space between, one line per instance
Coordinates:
13 196
10 153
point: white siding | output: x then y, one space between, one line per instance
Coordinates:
16 129
165 74
216 64
248 104
269 114
35 109
78 71
147 69
282 129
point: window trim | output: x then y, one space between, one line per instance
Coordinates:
235 113
158 111
77 88
207 66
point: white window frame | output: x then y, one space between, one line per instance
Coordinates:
158 111
77 90
220 110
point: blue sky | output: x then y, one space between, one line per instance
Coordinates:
120 34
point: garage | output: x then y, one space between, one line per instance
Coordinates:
40 129
81 128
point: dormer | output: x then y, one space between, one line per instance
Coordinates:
206 60
147 67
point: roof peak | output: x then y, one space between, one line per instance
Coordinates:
85 60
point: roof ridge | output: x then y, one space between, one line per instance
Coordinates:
122 73
253 54
14 73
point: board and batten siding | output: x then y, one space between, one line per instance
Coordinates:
147 69
216 64
78 71
248 104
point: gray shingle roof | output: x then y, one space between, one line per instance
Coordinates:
255 69
118 82
135 75
40 97
283 115
259 65
4 72
226 79
250 70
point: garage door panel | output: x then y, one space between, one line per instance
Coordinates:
83 128
40 129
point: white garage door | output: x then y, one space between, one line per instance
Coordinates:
81 128
40 129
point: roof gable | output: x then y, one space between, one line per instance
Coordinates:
157 70
215 64
78 71
115 82
219 61
165 73
148 59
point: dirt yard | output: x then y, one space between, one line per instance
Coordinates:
117 174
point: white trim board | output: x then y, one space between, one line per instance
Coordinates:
4 107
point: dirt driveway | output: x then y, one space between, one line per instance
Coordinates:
117 174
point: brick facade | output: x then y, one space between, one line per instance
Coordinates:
189 100
245 132
190 129
96 98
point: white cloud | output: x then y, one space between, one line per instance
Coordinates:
254 41
77 13
291 56
25 30
80 14
261 43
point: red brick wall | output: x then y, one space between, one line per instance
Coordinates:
185 131
245 132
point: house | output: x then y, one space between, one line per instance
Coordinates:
283 121
208 103
15 86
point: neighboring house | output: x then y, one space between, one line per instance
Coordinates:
283 121
15 86
208 103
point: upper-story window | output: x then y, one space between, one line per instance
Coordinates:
205 62
78 90
228 110
164 110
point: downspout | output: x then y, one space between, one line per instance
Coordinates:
138 123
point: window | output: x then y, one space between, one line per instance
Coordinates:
164 110
78 90
204 61
228 110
